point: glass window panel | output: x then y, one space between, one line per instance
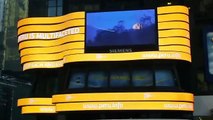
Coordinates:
59 11
52 3
1 14
59 2
52 11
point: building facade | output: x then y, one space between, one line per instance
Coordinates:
96 72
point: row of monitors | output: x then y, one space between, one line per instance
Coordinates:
123 78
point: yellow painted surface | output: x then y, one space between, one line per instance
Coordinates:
46 52
38 109
88 106
51 20
34 101
173 17
173 9
49 43
124 96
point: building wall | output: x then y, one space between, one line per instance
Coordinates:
1 32
11 12
37 8
203 106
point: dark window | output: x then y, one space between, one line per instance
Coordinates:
59 2
52 3
59 11
55 7
52 11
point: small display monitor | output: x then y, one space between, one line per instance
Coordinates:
119 78
97 79
142 78
164 78
208 52
121 31
77 80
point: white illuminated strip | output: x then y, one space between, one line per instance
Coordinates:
179 106
43 65
116 105
162 55
53 35
47 109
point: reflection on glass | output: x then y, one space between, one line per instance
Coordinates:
77 80
1 14
52 11
119 79
59 11
97 79
52 3
11 11
59 2
164 77
142 78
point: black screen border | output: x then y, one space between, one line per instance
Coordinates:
123 48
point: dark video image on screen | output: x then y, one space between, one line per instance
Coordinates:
97 79
77 80
122 30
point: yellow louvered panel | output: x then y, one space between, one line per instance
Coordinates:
51 28
50 57
174 41
173 17
174 33
55 49
50 43
173 25
173 9
51 20
38 109
175 48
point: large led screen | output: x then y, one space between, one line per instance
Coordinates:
121 31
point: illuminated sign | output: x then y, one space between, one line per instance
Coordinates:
50 42
124 101
124 96
38 109
178 101
34 101
85 106
36 105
